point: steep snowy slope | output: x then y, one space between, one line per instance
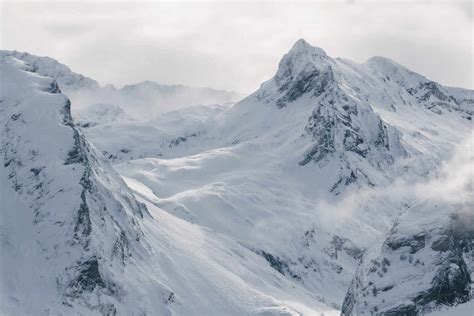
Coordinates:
69 223
74 240
142 100
305 171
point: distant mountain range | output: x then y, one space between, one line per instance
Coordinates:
142 100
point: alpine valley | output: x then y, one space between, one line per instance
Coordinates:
336 188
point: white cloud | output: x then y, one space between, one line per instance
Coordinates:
237 45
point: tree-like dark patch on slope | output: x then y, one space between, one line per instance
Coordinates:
279 264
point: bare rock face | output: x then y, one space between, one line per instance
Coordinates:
345 131
303 70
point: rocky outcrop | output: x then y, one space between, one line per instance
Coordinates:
416 272
344 130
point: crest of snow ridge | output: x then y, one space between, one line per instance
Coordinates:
423 91
49 67
81 210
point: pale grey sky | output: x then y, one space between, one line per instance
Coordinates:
237 45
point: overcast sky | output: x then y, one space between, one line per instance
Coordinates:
236 46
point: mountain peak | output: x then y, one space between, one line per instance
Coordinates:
303 69
302 57
301 47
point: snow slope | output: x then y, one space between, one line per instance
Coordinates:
74 240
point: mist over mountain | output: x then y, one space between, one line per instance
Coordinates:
142 100
336 188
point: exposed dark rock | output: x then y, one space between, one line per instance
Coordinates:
36 171
83 225
451 284
180 139
87 280
449 251
442 243
121 248
54 88
320 127
402 310
311 80
278 264
343 244
429 89
415 243
170 299
76 154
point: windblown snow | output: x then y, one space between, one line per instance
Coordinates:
335 188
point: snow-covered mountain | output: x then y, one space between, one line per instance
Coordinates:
69 222
335 187
142 100
75 240
310 170
49 67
